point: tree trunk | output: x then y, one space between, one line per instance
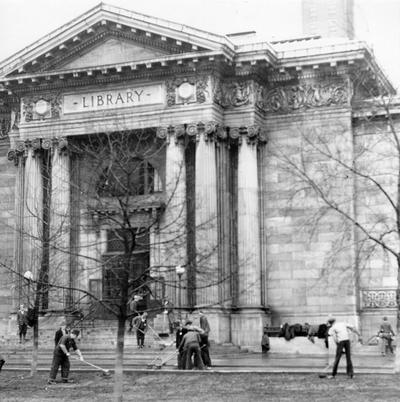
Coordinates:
119 360
35 342
396 367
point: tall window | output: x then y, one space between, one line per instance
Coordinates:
135 178
115 268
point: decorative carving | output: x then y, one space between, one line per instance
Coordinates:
171 95
29 112
47 143
213 131
201 89
222 133
298 97
179 131
200 95
20 147
36 144
5 125
62 143
9 115
162 132
11 155
232 94
381 298
191 130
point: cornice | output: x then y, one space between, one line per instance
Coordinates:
69 82
170 63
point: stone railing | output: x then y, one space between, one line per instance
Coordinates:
378 298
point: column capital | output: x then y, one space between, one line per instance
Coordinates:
213 131
253 135
37 145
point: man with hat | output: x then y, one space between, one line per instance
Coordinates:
339 331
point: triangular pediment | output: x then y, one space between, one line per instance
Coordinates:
107 35
113 51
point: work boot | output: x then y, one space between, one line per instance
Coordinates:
51 382
68 380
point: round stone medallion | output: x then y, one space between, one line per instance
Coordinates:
185 90
41 106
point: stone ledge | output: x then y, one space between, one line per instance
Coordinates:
302 346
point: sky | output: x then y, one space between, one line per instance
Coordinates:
376 21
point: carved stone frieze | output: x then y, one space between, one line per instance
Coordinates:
300 97
183 90
41 107
233 93
378 298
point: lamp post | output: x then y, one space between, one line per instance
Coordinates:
180 270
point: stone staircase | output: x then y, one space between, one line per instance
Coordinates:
97 342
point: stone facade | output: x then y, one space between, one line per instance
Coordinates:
257 245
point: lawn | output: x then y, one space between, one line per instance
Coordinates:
203 387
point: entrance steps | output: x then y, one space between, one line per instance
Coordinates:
18 356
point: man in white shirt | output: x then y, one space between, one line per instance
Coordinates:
339 331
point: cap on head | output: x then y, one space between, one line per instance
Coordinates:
384 318
75 332
331 319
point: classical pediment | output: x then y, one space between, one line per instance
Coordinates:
112 51
107 35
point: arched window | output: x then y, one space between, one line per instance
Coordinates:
138 177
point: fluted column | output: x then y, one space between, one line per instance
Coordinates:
207 276
33 209
226 215
59 239
249 262
172 230
18 156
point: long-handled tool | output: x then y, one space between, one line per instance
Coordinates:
105 372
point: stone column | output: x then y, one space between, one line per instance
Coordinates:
207 276
226 215
251 315
172 229
18 156
59 239
33 210
249 262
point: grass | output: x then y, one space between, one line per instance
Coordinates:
15 387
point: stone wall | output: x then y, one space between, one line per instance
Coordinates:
310 254
376 160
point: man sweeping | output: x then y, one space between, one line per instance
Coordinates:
61 356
